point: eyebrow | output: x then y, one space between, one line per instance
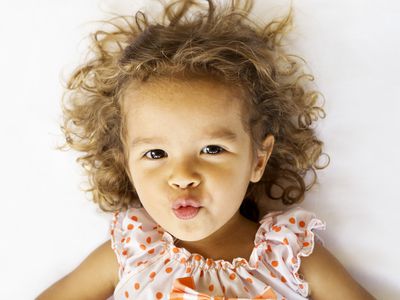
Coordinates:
221 133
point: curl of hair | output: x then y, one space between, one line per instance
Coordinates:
219 41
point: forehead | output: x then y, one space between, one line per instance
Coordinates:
195 94
171 102
165 87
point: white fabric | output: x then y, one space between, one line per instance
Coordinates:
150 263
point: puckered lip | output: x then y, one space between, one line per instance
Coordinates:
185 201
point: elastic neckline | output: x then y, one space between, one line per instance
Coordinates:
199 261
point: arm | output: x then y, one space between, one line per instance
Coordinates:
328 279
95 278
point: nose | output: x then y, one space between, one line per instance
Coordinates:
183 177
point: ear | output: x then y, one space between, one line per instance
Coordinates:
261 160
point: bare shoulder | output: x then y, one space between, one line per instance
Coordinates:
99 271
328 279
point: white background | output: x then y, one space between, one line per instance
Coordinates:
48 225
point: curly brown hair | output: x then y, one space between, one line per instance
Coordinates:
222 42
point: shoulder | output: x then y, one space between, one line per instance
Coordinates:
328 279
95 278
294 227
135 237
104 253
102 262
284 238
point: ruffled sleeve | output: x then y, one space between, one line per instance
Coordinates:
135 239
288 236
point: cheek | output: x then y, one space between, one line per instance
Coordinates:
228 183
234 173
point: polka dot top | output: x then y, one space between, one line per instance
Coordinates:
152 267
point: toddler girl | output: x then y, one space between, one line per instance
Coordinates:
189 125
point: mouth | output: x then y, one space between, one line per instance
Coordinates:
186 212
186 201
186 207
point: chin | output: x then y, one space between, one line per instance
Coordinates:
190 237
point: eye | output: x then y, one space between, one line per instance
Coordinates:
213 149
153 151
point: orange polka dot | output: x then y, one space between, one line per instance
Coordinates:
183 260
137 285
197 257
151 251
223 289
283 279
188 270
285 241
141 227
232 276
125 252
301 286
294 260
306 244
274 263
126 294
292 220
175 250
166 261
272 274
143 246
128 239
209 261
122 240
302 224
276 228
269 248
211 287
152 275
168 270
148 240
159 295
248 279
130 226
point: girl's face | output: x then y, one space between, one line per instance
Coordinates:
186 138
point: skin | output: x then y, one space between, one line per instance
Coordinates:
181 112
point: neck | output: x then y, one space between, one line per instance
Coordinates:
234 239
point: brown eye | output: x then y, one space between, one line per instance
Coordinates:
214 149
154 154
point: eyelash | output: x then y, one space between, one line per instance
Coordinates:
221 150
